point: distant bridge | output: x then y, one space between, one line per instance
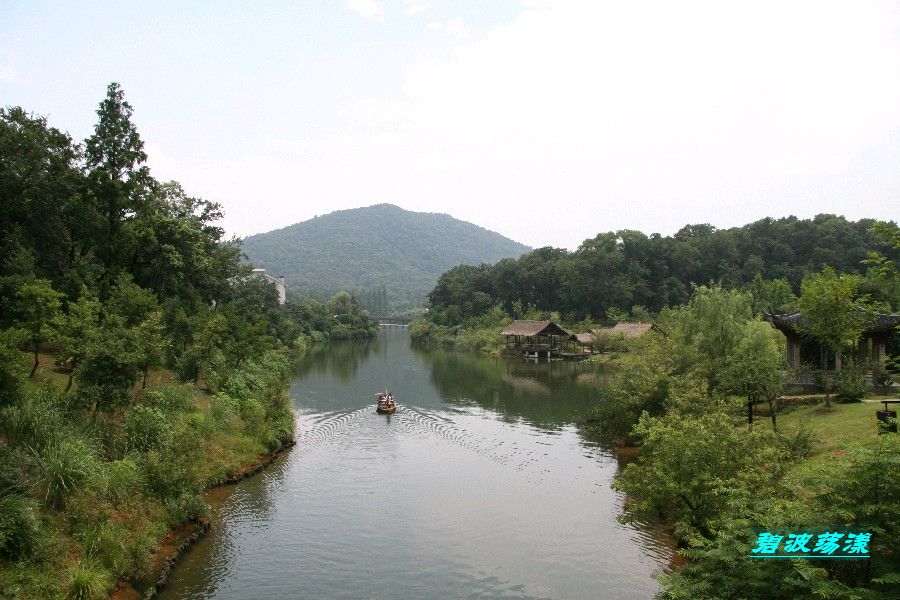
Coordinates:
392 321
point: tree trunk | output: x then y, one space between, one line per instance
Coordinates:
144 384
36 360
772 405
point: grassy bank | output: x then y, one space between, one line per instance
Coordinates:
89 496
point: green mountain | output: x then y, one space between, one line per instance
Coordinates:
389 258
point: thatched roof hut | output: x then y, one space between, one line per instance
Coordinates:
630 330
526 328
539 336
585 339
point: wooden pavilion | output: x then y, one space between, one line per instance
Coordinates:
534 338
800 349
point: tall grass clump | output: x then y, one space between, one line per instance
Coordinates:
63 468
89 581
34 421
122 479
125 551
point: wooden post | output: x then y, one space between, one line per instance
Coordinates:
879 342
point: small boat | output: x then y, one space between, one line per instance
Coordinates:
386 404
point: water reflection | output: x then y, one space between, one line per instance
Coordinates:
547 395
340 359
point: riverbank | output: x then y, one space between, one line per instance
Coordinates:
179 540
123 492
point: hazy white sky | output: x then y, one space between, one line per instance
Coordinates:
547 121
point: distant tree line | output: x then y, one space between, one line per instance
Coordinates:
617 271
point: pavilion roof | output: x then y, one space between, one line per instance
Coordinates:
793 322
585 338
534 328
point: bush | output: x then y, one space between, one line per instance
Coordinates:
881 377
173 398
19 527
11 370
221 413
89 581
802 442
892 364
172 470
146 428
12 471
850 384
184 506
420 328
341 332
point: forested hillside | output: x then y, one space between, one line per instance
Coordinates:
388 257
623 269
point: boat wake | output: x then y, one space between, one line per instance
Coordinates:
330 426
515 456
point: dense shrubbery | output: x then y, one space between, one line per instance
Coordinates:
711 345
713 479
339 318
850 383
861 492
480 333
144 473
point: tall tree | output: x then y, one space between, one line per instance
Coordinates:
119 181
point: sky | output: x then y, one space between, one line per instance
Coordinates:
548 121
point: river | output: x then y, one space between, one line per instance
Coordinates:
479 486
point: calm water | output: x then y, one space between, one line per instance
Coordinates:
479 486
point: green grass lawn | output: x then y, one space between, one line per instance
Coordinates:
833 431
836 427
